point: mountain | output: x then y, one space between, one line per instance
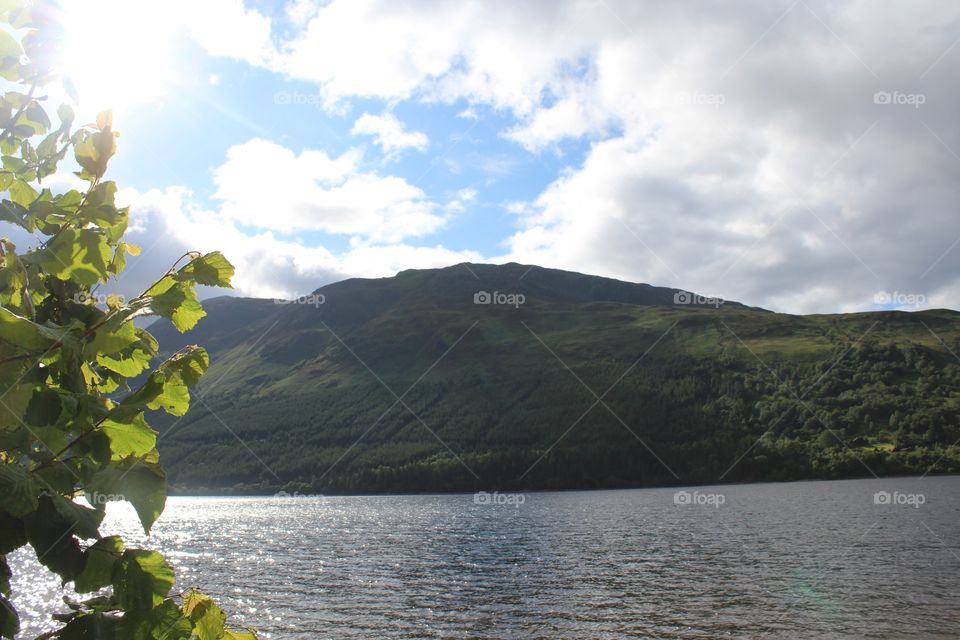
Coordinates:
490 377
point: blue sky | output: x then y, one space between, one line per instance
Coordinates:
740 152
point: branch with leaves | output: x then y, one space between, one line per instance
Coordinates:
71 427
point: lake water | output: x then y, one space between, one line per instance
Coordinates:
798 560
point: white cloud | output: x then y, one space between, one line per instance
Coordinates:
264 191
299 11
168 222
227 28
463 198
389 133
735 150
267 186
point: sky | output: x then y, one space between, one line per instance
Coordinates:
799 155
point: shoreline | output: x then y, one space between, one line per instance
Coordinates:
280 493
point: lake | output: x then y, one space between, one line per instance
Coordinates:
844 559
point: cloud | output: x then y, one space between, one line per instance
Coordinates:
169 222
774 179
464 197
166 223
227 28
264 191
267 186
741 150
389 133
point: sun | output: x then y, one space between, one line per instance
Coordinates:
118 53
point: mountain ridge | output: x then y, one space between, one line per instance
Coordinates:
409 384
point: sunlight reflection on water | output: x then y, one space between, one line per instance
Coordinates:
817 559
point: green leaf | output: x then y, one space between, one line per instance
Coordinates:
134 438
119 261
141 579
5 575
22 193
165 622
207 618
128 366
238 635
104 193
36 116
9 46
161 391
189 365
48 146
24 333
142 483
94 151
44 408
12 440
108 342
12 533
15 401
179 304
105 119
86 521
211 269
9 620
98 571
18 493
81 255
167 387
10 211
91 626
51 536
66 115
58 380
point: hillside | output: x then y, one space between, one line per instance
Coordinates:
405 384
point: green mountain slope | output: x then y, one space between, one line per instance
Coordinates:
405 384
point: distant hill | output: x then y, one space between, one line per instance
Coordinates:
484 376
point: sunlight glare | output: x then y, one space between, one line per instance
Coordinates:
118 53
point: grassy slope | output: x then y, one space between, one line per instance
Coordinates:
301 385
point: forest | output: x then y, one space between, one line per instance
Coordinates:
696 394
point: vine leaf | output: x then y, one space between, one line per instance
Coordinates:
98 570
167 387
23 332
211 269
139 481
165 622
176 301
18 492
50 535
134 438
208 619
141 579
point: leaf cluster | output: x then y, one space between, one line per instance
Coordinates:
76 374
